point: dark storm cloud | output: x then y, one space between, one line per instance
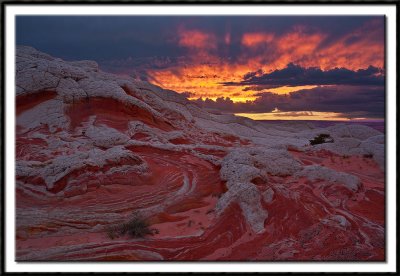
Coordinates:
114 37
294 75
98 37
367 100
251 75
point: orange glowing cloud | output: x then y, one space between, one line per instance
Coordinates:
204 71
296 46
284 90
356 50
204 80
196 39
255 39
282 49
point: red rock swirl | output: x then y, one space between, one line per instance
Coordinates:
181 193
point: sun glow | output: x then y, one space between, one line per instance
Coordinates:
205 80
297 115
284 90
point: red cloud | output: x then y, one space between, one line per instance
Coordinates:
196 39
205 68
255 39
227 38
358 49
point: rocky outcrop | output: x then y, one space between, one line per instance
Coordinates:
317 172
92 148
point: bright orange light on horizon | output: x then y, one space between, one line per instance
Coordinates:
297 115
284 90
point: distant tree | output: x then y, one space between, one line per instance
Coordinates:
321 138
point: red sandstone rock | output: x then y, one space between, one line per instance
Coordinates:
92 148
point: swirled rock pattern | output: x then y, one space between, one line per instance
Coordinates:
92 148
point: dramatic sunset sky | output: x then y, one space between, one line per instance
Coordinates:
263 67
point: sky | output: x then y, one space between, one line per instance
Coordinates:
262 67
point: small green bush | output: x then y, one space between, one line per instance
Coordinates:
321 138
136 227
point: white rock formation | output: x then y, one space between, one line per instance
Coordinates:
240 167
355 140
316 172
103 136
90 144
60 166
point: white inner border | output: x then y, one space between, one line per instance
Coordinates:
389 10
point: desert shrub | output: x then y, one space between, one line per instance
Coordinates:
135 227
321 138
368 155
